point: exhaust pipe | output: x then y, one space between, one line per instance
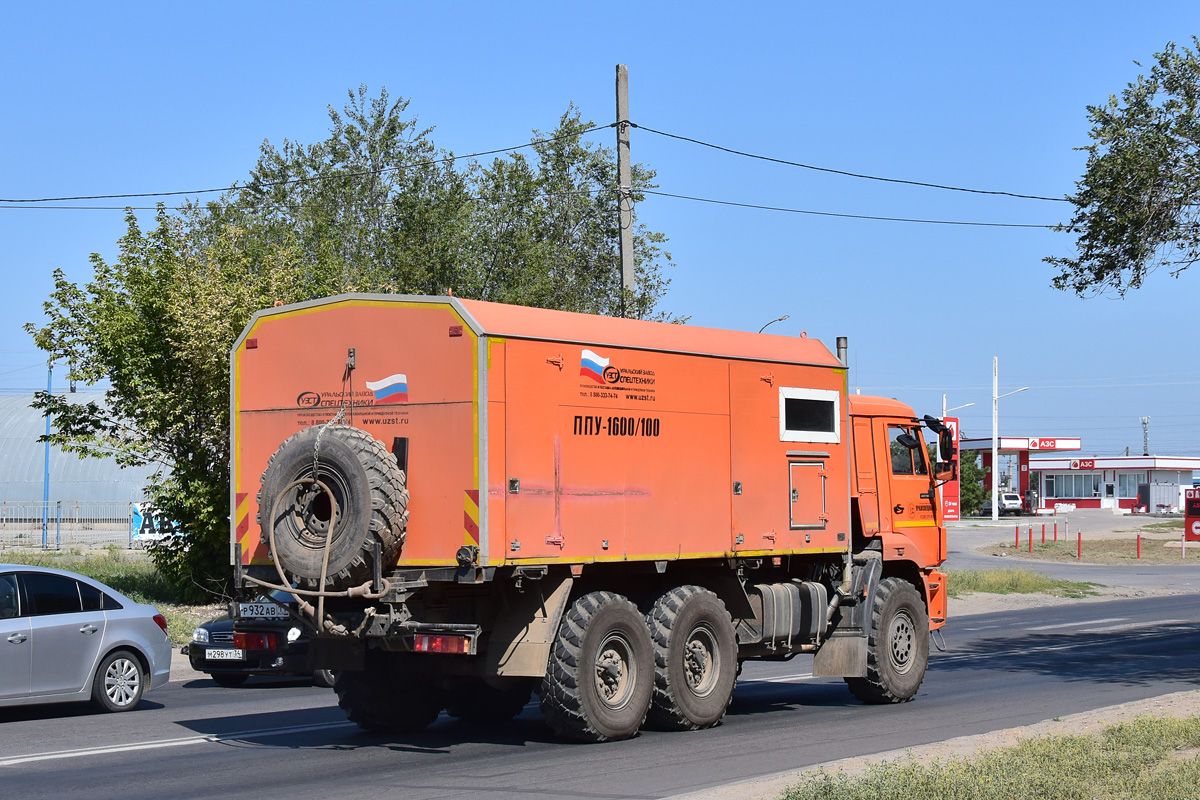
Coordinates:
842 347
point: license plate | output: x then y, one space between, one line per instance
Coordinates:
262 611
225 655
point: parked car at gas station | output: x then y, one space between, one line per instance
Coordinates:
1010 503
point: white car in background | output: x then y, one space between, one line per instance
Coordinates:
1010 503
67 638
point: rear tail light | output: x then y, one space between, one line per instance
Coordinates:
161 621
254 641
440 643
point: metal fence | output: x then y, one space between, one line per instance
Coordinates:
65 523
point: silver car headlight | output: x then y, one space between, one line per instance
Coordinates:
293 634
200 636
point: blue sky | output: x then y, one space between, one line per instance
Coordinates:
112 98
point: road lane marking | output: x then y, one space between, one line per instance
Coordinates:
1160 623
1075 624
182 741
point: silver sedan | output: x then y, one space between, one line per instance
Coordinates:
65 637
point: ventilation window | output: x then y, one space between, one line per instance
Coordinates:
809 415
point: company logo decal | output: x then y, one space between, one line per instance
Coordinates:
308 400
591 366
392 389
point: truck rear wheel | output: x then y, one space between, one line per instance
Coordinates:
601 671
387 698
372 501
695 659
477 701
898 648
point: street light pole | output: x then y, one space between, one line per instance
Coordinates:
996 435
946 411
772 322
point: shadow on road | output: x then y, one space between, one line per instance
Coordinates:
1153 654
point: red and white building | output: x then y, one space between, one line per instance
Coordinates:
1156 483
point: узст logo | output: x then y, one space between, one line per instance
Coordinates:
308 399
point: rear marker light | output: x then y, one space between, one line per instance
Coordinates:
161 621
432 643
456 331
252 344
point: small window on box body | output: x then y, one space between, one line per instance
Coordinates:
809 415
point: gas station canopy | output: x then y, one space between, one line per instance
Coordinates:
1010 445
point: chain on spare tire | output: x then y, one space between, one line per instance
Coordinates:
371 497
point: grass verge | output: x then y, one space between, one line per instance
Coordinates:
1145 759
1013 581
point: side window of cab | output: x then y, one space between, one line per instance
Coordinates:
906 460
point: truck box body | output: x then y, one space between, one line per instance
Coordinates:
544 436
469 499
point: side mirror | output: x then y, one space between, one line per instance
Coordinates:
934 424
945 444
945 471
908 440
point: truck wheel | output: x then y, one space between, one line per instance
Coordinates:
601 672
695 659
476 701
386 698
372 502
898 648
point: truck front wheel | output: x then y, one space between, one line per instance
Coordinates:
695 659
898 648
599 679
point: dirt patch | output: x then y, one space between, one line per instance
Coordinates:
1116 551
986 603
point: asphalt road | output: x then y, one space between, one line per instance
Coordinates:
289 740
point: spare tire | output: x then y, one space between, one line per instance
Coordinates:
372 506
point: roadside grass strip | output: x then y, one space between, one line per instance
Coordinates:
1013 581
1148 758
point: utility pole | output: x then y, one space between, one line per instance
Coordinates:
46 474
625 188
1145 436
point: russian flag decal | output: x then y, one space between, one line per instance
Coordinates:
392 389
592 366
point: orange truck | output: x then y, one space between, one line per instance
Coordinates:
473 501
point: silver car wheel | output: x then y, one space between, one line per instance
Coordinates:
122 682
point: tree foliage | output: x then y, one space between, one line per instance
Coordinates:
375 207
1137 206
971 491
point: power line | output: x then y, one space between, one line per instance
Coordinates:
832 171
290 181
848 216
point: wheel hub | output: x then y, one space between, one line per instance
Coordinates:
615 672
902 640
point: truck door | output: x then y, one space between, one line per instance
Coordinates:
864 472
912 492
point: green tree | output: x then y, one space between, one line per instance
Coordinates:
373 208
971 491
1137 206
